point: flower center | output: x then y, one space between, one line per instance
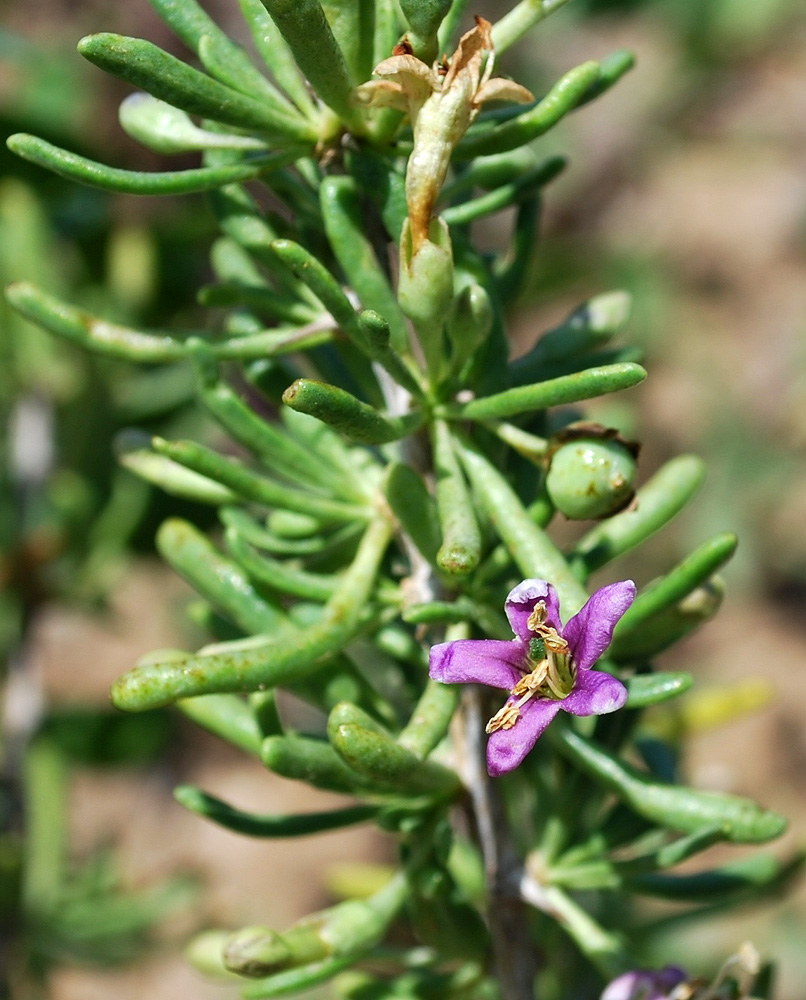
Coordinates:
550 671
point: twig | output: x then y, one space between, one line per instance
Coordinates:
513 950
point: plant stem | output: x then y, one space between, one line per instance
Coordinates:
605 950
507 914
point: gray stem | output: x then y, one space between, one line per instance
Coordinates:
507 914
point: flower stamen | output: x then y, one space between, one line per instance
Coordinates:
504 719
546 669
553 678
552 639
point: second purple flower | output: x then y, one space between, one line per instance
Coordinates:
545 668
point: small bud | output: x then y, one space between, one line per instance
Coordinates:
424 18
204 953
470 322
255 951
425 291
592 475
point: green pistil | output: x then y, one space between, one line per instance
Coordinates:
537 651
564 672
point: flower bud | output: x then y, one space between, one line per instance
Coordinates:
425 290
592 473
469 323
204 953
424 18
256 951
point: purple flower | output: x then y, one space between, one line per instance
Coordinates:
645 984
547 667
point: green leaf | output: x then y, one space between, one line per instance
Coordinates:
257 535
678 583
261 665
343 932
490 173
469 324
228 716
218 579
669 626
353 25
84 171
424 18
563 97
378 336
165 129
346 227
133 451
555 392
385 183
505 195
89 331
251 825
517 21
532 550
611 69
278 576
656 503
301 758
748 878
149 68
253 486
304 26
276 54
512 269
326 444
588 327
345 413
430 719
220 56
323 285
414 508
378 758
688 810
460 550
243 221
272 443
653 689
296 980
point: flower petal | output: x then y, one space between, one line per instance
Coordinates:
507 747
499 89
590 631
478 661
596 693
467 59
521 603
645 984
407 66
381 94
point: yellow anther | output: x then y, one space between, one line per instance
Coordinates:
536 622
532 681
537 618
504 719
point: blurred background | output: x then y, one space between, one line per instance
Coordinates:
686 187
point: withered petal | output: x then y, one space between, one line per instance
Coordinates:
499 89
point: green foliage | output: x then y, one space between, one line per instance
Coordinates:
402 488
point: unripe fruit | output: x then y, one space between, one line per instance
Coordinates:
593 475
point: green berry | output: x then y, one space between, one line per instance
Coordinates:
591 478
